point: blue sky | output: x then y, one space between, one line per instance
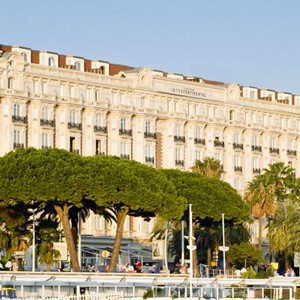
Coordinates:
250 42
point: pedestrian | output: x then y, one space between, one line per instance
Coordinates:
15 266
8 265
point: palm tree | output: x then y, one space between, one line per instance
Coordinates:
266 191
208 167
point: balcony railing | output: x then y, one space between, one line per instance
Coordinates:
100 153
179 162
19 119
46 147
126 156
75 151
127 132
18 145
256 171
237 146
238 169
274 150
149 159
218 143
45 122
199 141
77 126
179 139
256 148
102 129
150 135
292 152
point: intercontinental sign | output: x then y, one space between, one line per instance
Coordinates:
188 92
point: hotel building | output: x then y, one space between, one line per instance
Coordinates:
162 119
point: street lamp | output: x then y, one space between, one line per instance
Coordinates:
33 240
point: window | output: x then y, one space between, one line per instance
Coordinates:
123 124
72 117
148 150
51 62
16 112
123 149
147 127
98 120
77 65
198 132
290 144
255 163
237 161
177 154
45 139
45 113
24 56
252 95
177 130
102 70
96 95
231 115
255 140
198 155
17 136
272 142
236 138
10 84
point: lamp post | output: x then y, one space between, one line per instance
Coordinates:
33 240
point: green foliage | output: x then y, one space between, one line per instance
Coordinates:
208 167
244 254
249 274
209 197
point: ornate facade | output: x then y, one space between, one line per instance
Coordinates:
162 119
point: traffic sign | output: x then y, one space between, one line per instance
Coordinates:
193 247
223 248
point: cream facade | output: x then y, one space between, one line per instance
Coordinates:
157 118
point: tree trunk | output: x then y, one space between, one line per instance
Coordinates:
63 213
208 256
196 272
286 260
260 229
121 216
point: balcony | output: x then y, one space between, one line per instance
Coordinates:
125 156
238 169
150 135
218 143
273 150
292 152
127 132
99 153
256 171
237 146
102 129
149 159
76 126
179 139
18 119
75 151
179 163
48 123
199 141
46 147
18 145
256 148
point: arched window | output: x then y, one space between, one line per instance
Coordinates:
51 62
10 82
77 65
24 56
